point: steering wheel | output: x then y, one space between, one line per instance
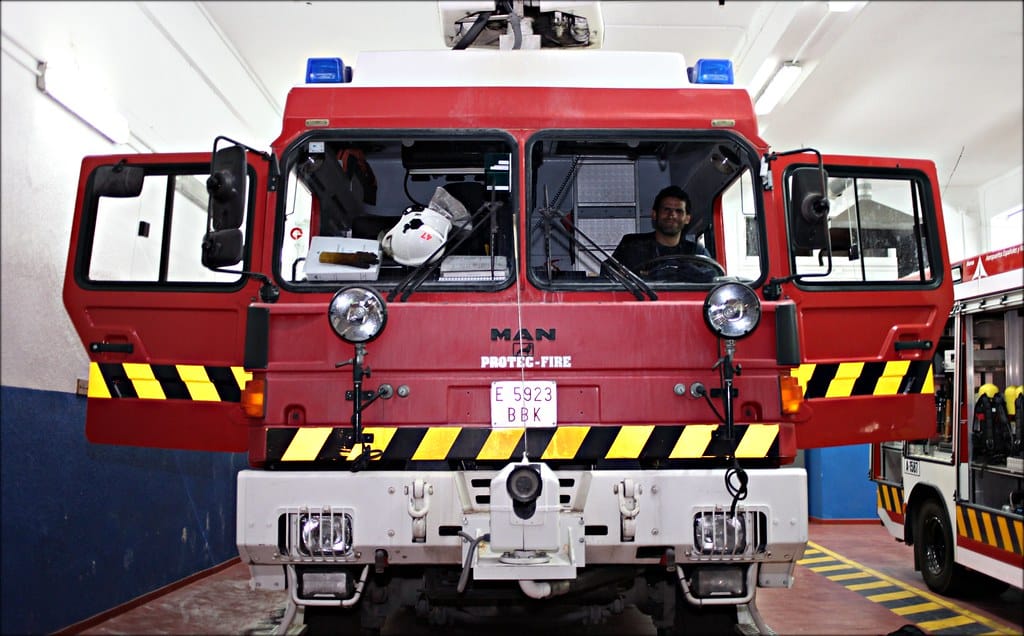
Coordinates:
689 268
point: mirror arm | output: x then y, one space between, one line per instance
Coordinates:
269 292
773 288
275 171
821 166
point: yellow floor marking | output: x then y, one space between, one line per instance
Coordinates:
829 568
938 600
872 585
945 623
847 577
915 609
821 559
891 596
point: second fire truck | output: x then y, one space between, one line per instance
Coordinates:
957 494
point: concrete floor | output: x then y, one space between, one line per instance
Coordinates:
854 579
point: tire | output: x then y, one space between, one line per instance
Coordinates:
933 549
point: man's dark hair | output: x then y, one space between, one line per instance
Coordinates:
672 191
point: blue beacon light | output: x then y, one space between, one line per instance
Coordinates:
711 71
327 70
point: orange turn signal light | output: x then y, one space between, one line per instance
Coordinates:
791 393
253 402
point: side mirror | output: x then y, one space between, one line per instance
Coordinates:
808 209
222 248
119 181
226 186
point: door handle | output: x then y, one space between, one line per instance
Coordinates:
903 345
111 347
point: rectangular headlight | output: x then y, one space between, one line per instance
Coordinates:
322 534
719 533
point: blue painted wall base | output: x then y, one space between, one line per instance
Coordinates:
837 483
88 527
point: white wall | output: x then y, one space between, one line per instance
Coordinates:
974 216
999 197
41 152
962 232
147 56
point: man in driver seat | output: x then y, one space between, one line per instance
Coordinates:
661 254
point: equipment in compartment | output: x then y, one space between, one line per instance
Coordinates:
328 256
991 431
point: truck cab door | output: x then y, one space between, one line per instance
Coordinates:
869 275
165 335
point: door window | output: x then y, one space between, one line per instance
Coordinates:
880 230
155 237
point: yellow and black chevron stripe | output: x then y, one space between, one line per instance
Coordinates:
890 498
166 382
849 379
564 443
1001 531
930 612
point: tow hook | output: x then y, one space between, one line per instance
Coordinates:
419 506
629 506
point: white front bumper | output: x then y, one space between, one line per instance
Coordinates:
597 517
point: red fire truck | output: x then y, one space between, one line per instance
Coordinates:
546 434
956 494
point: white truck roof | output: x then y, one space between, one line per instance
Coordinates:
551 67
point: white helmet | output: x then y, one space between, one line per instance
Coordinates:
416 236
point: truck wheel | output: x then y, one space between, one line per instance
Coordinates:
933 547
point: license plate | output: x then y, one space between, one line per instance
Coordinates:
523 403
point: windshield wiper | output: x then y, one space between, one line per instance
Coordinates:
622 274
422 272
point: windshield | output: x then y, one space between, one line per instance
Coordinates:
406 209
422 210
642 210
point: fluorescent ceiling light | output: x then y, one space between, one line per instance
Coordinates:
89 103
777 88
761 76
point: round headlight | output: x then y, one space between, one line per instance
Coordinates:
357 314
732 310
